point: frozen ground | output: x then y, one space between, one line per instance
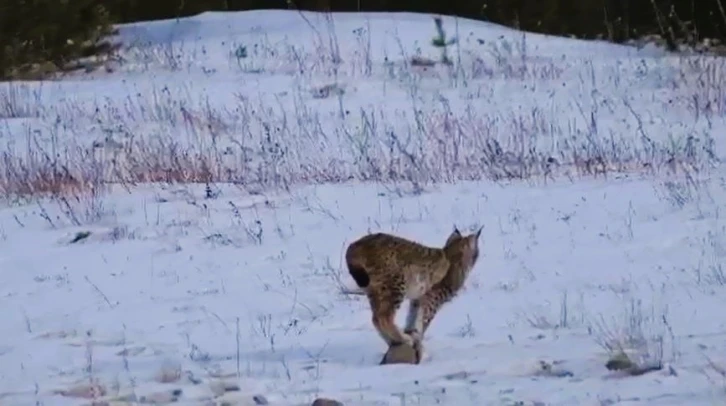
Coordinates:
594 169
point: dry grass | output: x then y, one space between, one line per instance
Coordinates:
168 136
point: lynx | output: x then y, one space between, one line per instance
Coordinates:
389 269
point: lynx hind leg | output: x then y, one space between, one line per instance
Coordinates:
384 305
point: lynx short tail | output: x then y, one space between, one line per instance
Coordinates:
360 275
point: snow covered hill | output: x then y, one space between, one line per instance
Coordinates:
593 167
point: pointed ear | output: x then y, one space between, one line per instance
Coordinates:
478 233
455 235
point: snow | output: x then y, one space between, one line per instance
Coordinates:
245 284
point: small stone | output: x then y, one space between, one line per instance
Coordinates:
84 390
221 387
619 362
260 400
162 397
326 402
168 373
402 354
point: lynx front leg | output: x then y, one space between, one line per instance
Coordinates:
431 303
414 327
414 321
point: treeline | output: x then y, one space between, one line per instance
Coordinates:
43 35
615 20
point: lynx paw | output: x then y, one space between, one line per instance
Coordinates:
405 339
418 347
415 335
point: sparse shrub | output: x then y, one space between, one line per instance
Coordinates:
636 344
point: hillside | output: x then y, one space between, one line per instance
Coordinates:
204 187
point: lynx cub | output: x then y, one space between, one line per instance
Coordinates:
389 268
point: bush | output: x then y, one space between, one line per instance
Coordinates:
40 36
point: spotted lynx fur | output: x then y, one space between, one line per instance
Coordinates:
389 269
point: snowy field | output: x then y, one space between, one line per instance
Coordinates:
172 228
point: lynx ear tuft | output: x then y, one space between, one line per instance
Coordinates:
454 236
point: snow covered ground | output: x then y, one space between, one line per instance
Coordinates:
592 167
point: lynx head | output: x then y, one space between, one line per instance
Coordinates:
463 250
